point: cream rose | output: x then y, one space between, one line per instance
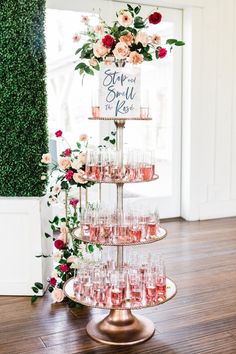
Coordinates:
57 258
64 163
63 237
46 158
58 295
121 50
82 158
99 29
56 189
135 58
72 259
99 50
125 18
64 229
76 164
143 38
156 39
93 62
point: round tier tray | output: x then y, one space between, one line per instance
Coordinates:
120 326
170 293
154 178
118 119
162 233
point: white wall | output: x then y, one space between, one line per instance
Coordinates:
209 105
209 111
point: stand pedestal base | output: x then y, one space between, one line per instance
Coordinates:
120 327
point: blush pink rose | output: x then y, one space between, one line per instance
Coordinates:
83 137
99 29
127 38
64 163
76 164
80 177
99 50
93 62
135 58
58 295
72 259
121 50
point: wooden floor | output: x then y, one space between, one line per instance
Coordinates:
200 257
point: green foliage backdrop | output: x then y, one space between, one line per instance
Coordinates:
23 111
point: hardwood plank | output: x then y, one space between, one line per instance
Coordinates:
200 258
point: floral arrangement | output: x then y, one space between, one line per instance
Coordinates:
126 40
67 177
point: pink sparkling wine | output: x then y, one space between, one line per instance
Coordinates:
94 233
86 229
116 297
147 173
123 233
135 235
150 293
89 171
152 229
136 295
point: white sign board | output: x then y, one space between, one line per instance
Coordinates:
119 91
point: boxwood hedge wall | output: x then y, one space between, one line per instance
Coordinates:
23 112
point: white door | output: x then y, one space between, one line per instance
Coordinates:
160 79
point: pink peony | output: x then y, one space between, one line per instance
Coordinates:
125 18
58 133
58 295
99 50
121 50
135 58
69 175
74 202
46 158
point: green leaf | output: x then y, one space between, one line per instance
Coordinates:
97 67
113 133
80 66
78 50
123 33
106 138
33 298
171 41
78 145
35 290
113 141
91 248
47 235
88 70
137 9
39 285
130 7
179 43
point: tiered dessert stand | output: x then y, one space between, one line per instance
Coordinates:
120 326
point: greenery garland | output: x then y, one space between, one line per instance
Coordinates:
23 109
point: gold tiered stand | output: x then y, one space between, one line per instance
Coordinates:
120 326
